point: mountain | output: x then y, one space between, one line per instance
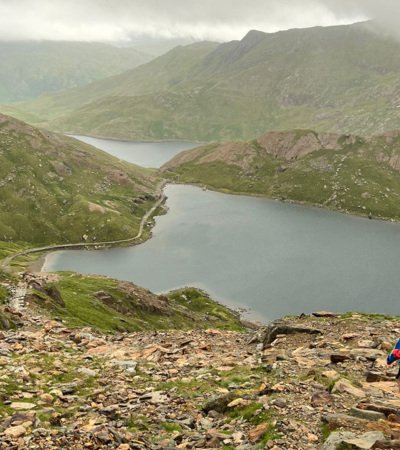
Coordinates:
54 189
159 75
29 69
342 79
343 172
157 46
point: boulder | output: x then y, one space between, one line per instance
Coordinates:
15 432
272 331
345 387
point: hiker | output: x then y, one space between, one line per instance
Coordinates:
393 357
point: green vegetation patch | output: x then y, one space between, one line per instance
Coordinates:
215 314
3 294
56 190
111 305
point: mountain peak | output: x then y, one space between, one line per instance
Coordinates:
253 37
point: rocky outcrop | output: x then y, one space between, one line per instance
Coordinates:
297 144
284 145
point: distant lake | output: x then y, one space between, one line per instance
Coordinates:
271 257
146 154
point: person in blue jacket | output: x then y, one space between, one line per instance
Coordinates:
393 357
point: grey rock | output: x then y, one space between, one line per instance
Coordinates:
362 441
87 372
365 414
129 366
220 404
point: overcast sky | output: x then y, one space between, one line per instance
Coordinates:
221 20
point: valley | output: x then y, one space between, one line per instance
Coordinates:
240 89
258 171
29 69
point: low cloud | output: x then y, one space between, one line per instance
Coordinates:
220 20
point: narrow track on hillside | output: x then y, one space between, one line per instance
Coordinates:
5 263
16 299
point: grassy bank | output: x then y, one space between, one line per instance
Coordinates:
111 305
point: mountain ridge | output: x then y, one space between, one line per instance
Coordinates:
341 79
346 172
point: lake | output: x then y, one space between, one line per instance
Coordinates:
273 258
145 154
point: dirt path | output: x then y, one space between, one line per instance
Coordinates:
5 263
16 299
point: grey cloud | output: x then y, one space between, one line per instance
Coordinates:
118 20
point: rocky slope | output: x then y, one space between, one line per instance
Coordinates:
54 189
307 382
343 172
338 79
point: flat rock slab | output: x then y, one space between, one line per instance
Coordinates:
22 405
15 432
367 414
364 441
344 386
389 387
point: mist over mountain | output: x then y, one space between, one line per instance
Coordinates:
31 68
338 79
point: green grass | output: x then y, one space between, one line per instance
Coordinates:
57 190
138 310
256 415
366 317
170 427
190 389
198 301
249 413
3 295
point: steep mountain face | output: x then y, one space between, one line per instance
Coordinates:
29 69
343 172
336 79
54 189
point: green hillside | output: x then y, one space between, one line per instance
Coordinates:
108 305
159 75
342 172
29 69
54 189
340 79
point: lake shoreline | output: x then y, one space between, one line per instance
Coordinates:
287 201
39 264
141 236
287 241
160 141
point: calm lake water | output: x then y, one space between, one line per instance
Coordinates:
273 258
145 154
